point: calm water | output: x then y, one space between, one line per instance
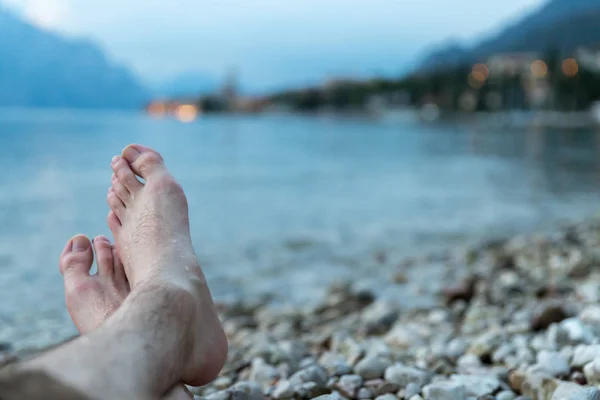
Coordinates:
278 203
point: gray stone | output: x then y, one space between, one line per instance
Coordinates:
314 373
412 389
456 348
573 391
348 385
332 396
222 395
506 395
403 375
386 397
445 391
283 390
246 391
310 390
335 363
263 374
364 394
371 367
477 385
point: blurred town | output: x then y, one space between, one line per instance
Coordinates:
566 89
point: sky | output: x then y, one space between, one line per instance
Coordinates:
271 43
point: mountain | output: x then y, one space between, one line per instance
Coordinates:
190 83
39 68
561 25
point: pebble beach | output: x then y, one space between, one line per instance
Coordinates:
514 319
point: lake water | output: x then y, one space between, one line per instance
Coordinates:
278 204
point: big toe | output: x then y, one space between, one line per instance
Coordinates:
76 260
143 160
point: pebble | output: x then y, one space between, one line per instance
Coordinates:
364 394
246 391
371 367
349 385
592 371
386 397
283 390
572 391
506 395
553 363
404 375
477 385
445 391
521 329
314 373
584 354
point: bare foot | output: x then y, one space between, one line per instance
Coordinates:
150 224
92 298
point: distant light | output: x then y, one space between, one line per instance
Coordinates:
468 102
481 72
157 110
539 69
570 67
475 80
172 108
186 113
478 75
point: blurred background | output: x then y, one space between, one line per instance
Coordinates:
317 141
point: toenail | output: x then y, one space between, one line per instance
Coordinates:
80 243
115 159
132 153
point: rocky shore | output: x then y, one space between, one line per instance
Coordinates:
514 319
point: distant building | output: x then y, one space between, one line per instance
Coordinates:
511 63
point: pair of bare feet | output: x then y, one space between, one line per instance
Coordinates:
149 222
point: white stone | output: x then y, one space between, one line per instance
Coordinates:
590 315
445 391
584 354
403 375
572 391
553 363
578 331
592 371
477 385
506 395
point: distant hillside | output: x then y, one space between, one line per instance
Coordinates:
561 25
191 83
42 69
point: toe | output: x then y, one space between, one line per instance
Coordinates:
121 192
104 256
143 160
114 223
76 260
125 175
120 275
115 204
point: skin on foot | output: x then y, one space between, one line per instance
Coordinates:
150 224
91 299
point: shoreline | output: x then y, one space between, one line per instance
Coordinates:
517 316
